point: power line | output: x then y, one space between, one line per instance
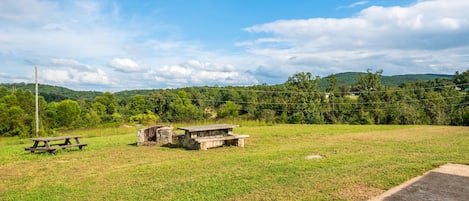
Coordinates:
338 92
322 103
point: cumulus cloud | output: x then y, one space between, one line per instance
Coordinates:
71 63
125 65
198 73
355 4
211 67
376 36
72 76
56 76
93 43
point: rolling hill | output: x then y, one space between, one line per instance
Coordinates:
54 93
350 78
57 93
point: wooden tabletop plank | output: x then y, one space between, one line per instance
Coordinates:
54 138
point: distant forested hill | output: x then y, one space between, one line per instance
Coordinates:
54 93
57 93
350 78
129 93
396 80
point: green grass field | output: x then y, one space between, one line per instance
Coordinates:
359 162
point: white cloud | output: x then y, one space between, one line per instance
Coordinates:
379 37
72 76
206 66
355 4
71 63
125 65
99 77
55 76
101 44
194 72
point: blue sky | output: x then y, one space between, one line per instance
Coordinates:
119 45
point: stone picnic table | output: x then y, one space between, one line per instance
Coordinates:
209 136
51 148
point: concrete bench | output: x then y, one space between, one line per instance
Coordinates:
217 141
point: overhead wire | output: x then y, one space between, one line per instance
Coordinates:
236 89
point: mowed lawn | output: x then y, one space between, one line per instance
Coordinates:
359 162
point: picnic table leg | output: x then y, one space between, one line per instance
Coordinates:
78 142
47 145
33 148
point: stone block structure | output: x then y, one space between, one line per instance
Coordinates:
156 135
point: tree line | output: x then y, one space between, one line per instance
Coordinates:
299 100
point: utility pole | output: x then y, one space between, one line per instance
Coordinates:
37 103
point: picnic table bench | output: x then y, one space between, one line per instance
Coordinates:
51 148
204 137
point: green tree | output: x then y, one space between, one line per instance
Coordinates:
462 79
229 110
330 102
12 121
68 114
137 105
182 109
370 99
158 103
148 118
3 91
109 101
105 106
306 98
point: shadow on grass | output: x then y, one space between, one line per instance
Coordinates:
172 146
133 144
168 145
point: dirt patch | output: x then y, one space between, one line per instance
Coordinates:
313 156
358 192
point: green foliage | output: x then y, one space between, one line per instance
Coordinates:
68 114
307 97
109 101
182 109
137 105
302 99
462 79
350 78
229 110
146 119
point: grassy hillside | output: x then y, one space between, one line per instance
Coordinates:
359 162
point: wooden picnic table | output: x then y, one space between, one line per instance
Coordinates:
51 148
